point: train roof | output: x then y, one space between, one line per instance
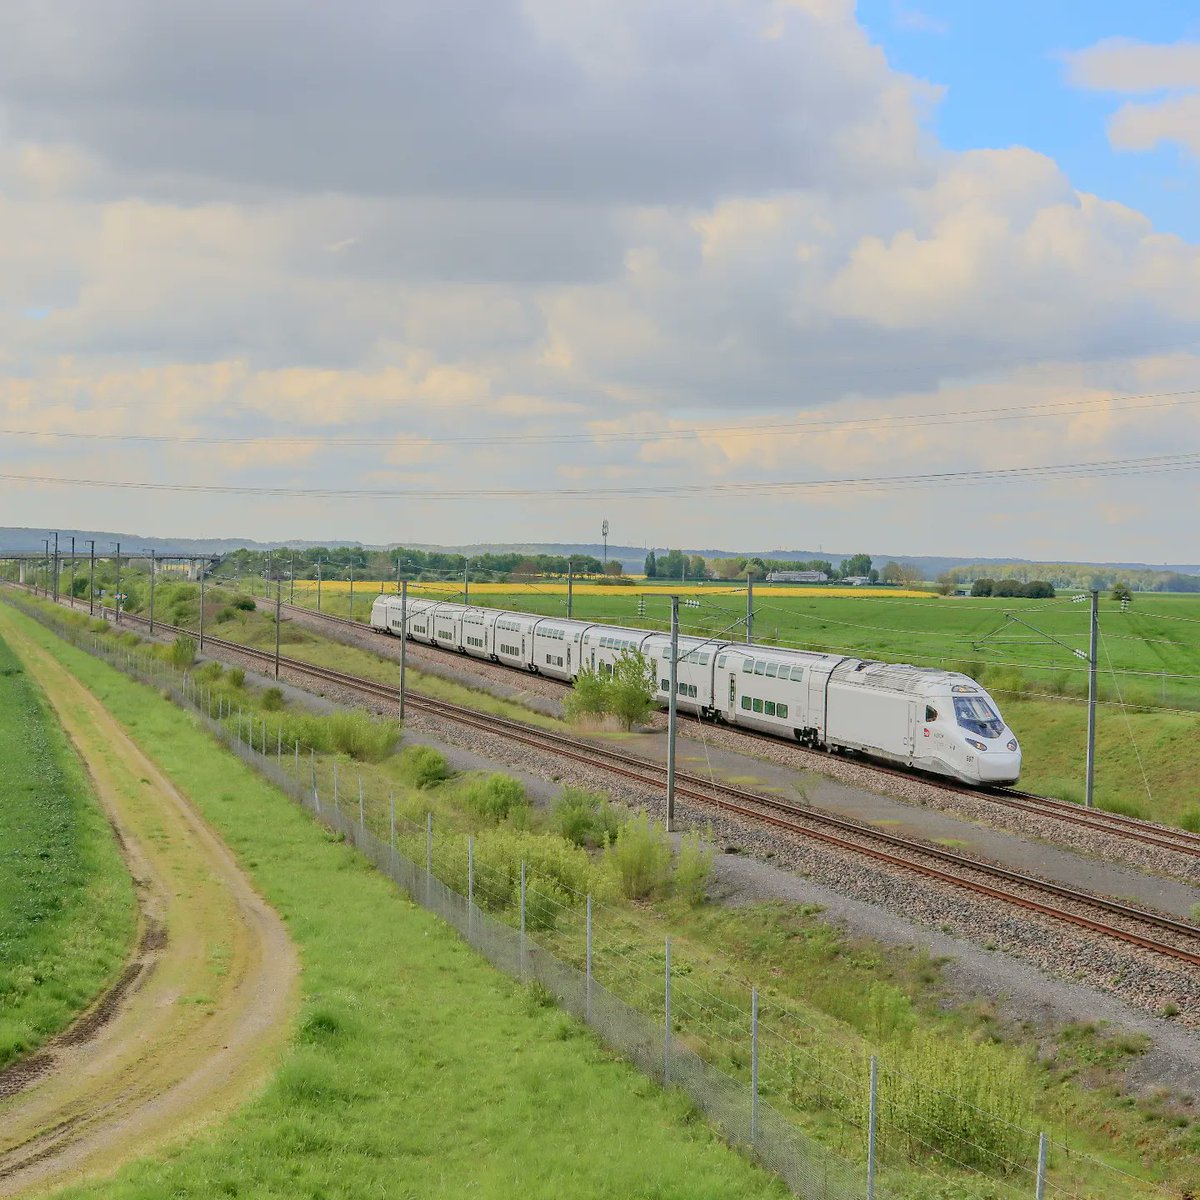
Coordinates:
903 677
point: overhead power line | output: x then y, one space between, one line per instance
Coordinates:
1158 464
809 427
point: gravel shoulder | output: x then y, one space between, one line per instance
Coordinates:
197 1023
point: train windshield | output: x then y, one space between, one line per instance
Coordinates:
975 714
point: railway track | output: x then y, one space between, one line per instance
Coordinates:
1112 919
1176 841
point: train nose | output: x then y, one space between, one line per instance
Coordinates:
1003 766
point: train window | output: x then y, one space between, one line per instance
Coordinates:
758 706
930 713
797 673
666 686
769 708
704 659
747 665
772 670
760 667
781 710
721 660
746 703
785 672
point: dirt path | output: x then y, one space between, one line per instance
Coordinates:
197 1020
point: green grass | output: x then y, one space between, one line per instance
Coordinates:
67 913
841 998
417 1070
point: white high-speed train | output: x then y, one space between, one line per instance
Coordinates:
919 717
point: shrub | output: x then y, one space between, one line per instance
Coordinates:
423 766
495 798
183 651
209 672
632 688
237 677
272 699
983 587
1190 820
585 818
692 869
640 858
244 603
362 736
1038 589
589 697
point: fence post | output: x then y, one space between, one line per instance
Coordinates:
522 918
361 819
587 985
667 1017
392 820
1041 1168
336 806
279 744
753 1065
428 856
872 1126
470 885
312 766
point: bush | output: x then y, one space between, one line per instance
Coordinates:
423 766
585 818
983 587
244 603
1009 588
1190 820
632 688
692 869
589 697
272 699
361 735
237 677
209 672
495 798
1039 589
183 652
640 858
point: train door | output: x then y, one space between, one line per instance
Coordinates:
910 742
732 695
568 658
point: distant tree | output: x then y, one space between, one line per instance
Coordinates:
614 568
983 586
873 575
1122 593
525 569
892 573
947 583
1009 587
651 566
697 567
729 568
856 564
755 568
1038 589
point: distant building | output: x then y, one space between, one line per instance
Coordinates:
797 577
857 580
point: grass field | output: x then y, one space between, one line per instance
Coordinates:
850 996
67 914
417 1070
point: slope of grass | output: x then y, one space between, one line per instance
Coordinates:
67 912
417 1070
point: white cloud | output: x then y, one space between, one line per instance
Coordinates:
1130 68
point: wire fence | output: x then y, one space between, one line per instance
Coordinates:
749 1062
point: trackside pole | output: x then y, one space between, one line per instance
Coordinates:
749 608
667 1016
1043 1147
753 1065
403 639
361 821
428 855
470 885
672 714
1091 728
587 985
872 1123
522 918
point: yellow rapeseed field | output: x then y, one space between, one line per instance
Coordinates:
452 588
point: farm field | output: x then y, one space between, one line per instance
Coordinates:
67 915
826 976
413 1061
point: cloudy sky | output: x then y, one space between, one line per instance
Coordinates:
496 270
